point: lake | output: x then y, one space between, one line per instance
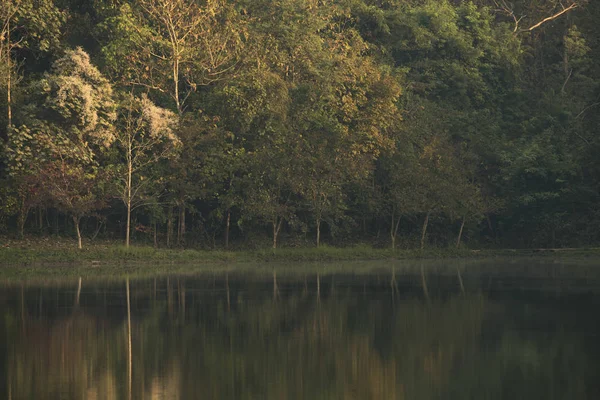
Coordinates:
493 329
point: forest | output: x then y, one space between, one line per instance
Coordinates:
299 123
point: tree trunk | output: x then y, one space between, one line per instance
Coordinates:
228 221
128 229
276 227
424 233
23 212
155 237
128 194
394 230
76 222
179 226
169 225
176 81
99 224
182 224
318 232
9 77
462 225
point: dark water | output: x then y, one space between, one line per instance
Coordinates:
379 336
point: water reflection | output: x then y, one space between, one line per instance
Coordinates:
317 337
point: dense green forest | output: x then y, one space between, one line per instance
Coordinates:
253 123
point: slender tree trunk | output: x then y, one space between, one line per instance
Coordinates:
566 70
424 233
169 225
155 235
227 222
462 225
176 80
392 236
394 229
128 229
318 232
99 224
276 228
76 221
23 212
128 199
179 226
9 77
182 223
274 234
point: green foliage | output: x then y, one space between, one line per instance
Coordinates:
308 119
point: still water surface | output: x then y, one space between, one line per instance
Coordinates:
386 335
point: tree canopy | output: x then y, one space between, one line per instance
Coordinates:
286 122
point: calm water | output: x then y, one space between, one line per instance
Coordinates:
389 335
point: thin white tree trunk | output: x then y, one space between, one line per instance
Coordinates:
318 232
76 222
462 225
424 233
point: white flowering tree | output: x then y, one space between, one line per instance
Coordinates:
145 136
63 130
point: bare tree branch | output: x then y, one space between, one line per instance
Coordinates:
552 17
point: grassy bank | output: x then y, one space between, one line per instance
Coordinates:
50 251
149 255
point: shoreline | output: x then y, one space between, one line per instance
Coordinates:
113 253
113 261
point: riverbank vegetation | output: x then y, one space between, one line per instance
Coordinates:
46 253
254 124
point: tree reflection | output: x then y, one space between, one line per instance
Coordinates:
239 343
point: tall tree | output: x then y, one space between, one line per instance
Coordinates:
66 127
172 46
29 27
145 136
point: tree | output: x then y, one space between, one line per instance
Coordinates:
172 46
145 136
66 127
25 25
